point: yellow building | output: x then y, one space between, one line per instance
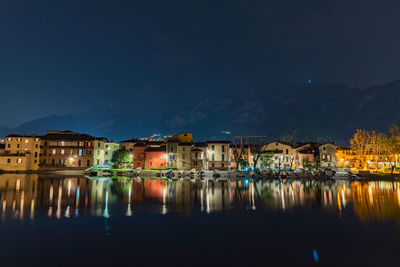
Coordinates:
109 149
178 150
103 150
21 153
283 157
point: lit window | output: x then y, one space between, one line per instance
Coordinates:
26 141
19 160
54 151
62 151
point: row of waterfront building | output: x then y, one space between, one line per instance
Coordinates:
67 149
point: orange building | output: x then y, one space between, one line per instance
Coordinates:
155 157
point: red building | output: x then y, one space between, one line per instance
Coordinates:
139 155
155 157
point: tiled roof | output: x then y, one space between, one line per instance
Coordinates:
66 135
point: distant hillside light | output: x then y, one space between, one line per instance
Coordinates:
309 81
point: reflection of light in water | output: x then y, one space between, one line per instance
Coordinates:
201 200
51 194
252 197
398 196
18 185
164 206
343 199
69 187
283 199
22 205
208 202
129 210
371 198
67 212
58 213
32 208
78 192
105 213
4 205
50 212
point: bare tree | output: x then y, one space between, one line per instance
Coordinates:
238 151
360 144
377 146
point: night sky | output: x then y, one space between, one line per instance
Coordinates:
67 57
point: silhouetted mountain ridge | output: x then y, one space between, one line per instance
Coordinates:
305 112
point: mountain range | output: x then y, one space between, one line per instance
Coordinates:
311 111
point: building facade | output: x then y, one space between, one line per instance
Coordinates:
25 151
155 157
327 154
282 155
66 149
218 155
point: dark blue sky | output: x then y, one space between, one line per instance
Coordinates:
67 57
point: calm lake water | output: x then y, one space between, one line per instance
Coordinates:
75 221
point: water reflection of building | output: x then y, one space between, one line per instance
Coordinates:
18 193
376 201
28 196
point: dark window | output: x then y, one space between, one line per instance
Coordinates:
223 148
35 154
287 151
8 160
79 163
88 162
8 145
